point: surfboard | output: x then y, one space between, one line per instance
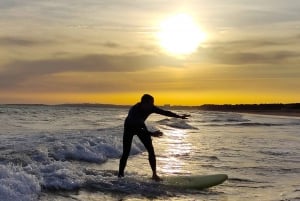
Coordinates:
197 182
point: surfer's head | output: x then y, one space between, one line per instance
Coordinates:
147 99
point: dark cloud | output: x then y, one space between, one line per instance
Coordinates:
110 44
255 58
260 42
18 71
17 41
7 4
252 51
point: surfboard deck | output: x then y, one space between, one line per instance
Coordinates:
197 182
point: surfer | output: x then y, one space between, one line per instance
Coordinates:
135 125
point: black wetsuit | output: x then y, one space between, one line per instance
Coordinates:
135 125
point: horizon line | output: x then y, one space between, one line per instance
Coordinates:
123 105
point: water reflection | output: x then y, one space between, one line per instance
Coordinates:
175 149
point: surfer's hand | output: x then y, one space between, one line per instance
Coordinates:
185 116
157 134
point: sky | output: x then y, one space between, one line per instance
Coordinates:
107 51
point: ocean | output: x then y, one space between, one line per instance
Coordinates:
71 153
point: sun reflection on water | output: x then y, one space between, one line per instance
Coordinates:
175 150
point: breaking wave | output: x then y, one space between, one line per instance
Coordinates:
47 161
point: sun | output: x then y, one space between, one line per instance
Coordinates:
180 35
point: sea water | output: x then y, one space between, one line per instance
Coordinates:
72 153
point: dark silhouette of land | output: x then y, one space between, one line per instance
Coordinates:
292 109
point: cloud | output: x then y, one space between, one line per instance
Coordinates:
253 51
7 4
110 44
16 72
255 17
263 42
239 58
17 41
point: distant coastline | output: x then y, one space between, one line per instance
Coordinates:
290 109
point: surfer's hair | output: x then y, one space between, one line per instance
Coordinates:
147 98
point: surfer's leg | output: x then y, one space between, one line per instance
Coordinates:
127 140
147 141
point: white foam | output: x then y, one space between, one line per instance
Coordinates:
60 175
16 184
80 152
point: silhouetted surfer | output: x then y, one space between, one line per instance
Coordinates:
135 125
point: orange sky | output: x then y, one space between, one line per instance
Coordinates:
108 52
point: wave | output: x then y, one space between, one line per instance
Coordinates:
276 153
230 120
235 119
32 164
241 180
246 124
260 124
16 184
224 117
176 123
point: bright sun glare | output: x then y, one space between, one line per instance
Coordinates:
180 35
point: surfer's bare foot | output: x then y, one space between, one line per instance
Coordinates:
120 175
156 178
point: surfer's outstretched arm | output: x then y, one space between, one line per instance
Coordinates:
169 113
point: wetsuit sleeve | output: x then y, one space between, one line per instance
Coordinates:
165 112
144 127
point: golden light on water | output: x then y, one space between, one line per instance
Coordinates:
180 34
176 146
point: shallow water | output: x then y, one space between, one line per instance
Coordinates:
71 153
